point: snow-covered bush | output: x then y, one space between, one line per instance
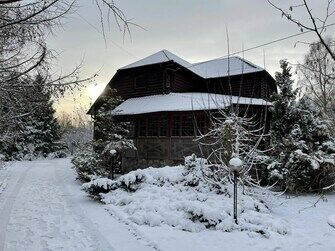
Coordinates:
194 170
87 163
179 196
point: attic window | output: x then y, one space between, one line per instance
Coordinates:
140 81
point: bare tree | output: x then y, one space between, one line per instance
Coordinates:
318 77
77 131
24 26
315 24
234 134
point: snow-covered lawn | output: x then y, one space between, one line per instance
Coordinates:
176 216
169 196
42 208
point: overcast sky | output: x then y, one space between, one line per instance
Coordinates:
192 29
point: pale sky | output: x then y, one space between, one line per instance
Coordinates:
192 29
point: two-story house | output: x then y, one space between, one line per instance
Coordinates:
167 99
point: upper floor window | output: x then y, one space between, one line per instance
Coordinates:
141 81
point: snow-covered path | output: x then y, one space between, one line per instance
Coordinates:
42 208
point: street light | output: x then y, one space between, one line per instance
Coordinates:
235 164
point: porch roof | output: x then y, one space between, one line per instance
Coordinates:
182 102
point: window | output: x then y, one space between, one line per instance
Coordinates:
168 81
153 126
163 126
187 127
140 81
176 126
142 127
200 125
183 125
131 129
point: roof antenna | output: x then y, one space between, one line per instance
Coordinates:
264 59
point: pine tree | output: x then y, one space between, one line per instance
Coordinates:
112 134
47 131
283 111
110 142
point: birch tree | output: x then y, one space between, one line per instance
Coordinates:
318 77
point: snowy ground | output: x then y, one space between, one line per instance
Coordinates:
42 208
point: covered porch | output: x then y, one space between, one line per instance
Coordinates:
165 128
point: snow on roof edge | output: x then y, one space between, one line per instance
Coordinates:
182 102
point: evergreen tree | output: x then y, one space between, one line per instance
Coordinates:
109 143
111 135
283 111
46 131
37 132
303 149
311 151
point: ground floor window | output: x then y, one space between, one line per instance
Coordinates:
153 126
142 127
175 125
188 125
200 125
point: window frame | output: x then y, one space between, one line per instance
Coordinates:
159 120
166 122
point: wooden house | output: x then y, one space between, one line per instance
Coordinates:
166 96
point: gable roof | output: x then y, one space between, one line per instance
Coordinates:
221 67
159 57
188 101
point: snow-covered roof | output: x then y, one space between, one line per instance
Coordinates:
182 102
209 69
159 57
223 67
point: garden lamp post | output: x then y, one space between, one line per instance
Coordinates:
235 164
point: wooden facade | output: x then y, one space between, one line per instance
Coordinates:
167 137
